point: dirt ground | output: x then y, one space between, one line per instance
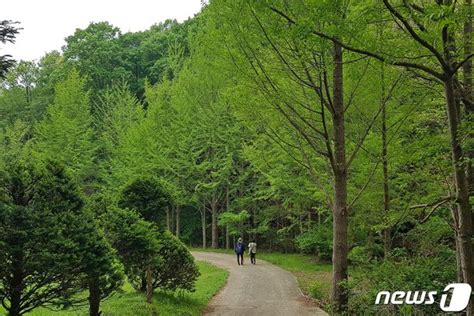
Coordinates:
261 289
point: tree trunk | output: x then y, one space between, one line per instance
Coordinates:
227 208
462 195
28 95
16 284
143 284
387 234
463 206
227 240
168 219
94 297
459 276
301 222
214 231
310 219
203 222
468 93
172 220
340 214
149 285
178 214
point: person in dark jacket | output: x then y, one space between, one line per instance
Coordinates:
239 251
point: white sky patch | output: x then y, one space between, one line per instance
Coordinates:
47 23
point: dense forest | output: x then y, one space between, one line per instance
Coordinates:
338 129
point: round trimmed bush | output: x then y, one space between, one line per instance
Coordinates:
177 269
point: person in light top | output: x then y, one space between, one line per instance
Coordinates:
253 252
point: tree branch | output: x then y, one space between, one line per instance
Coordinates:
365 52
415 35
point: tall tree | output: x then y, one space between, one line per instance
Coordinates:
66 135
8 32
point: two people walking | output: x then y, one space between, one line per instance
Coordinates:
240 249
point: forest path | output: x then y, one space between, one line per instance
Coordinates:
261 289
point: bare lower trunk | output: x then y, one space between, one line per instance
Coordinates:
203 222
17 285
340 214
227 241
459 276
172 220
310 219
387 241
301 220
387 233
149 285
28 95
94 297
178 215
214 231
468 93
463 208
462 195
168 219
143 284
340 223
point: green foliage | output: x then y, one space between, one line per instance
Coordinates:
359 256
96 53
177 269
317 291
237 223
118 115
317 241
400 274
41 206
146 197
65 135
436 231
8 33
140 244
135 240
106 56
101 264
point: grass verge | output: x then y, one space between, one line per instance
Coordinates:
131 303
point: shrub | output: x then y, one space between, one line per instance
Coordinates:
360 255
136 242
317 241
435 231
318 291
404 274
177 269
139 244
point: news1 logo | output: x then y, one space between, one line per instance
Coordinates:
459 294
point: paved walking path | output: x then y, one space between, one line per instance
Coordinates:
262 289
